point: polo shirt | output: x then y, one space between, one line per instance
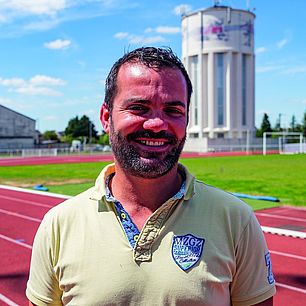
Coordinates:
203 248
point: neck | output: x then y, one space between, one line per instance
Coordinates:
140 193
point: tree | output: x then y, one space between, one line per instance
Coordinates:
293 124
265 126
82 127
50 135
303 125
104 138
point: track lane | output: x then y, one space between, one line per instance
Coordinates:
287 282
18 229
14 271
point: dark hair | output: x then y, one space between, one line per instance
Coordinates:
151 57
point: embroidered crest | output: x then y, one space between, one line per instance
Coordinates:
187 250
270 276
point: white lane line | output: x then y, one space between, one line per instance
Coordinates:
280 217
291 288
283 232
288 255
294 208
25 201
19 215
44 193
16 241
7 301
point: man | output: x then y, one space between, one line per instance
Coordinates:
148 233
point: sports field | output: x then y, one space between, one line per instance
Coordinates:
281 176
275 175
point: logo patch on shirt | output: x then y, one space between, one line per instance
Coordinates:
270 276
187 250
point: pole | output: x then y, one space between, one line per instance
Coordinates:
264 143
248 142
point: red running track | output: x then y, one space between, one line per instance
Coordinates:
35 160
21 213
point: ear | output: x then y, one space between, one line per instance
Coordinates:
105 118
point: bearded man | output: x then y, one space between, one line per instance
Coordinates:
149 233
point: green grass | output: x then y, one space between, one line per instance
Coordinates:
281 176
70 189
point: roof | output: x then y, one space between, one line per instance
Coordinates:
16 112
216 8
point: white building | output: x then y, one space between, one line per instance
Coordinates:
218 53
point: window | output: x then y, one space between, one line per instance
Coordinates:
220 88
194 78
244 88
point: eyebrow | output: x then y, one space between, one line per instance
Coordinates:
176 103
147 102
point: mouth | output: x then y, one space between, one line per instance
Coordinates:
152 143
151 146
146 141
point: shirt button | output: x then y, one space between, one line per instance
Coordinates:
136 238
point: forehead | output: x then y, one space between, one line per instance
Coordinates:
139 73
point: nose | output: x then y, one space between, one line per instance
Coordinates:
156 124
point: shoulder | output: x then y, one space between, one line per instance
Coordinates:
71 209
217 207
219 199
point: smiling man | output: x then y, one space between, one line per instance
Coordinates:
149 233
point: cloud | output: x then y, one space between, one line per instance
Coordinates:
168 30
142 40
121 35
182 9
19 17
147 37
295 70
260 50
139 39
37 91
58 44
282 43
46 80
34 7
267 68
37 85
15 105
13 82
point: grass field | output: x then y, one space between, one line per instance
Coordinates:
281 176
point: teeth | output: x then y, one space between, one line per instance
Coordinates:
152 143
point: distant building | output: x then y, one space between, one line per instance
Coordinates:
218 52
17 131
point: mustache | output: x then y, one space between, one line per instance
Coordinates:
148 134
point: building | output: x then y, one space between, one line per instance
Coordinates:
17 131
218 52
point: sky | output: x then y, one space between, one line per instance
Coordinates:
55 55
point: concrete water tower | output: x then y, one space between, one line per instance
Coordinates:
218 52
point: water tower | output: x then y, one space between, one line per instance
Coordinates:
218 53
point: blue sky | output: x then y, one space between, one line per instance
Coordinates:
55 55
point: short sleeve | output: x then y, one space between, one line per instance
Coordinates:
253 281
43 286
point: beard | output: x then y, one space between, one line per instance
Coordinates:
145 164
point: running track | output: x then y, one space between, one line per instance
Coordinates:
21 212
64 159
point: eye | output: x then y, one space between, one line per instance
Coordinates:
174 111
137 108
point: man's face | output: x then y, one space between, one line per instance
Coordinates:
148 122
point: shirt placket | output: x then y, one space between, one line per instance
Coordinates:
143 248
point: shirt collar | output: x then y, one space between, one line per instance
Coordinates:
99 190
